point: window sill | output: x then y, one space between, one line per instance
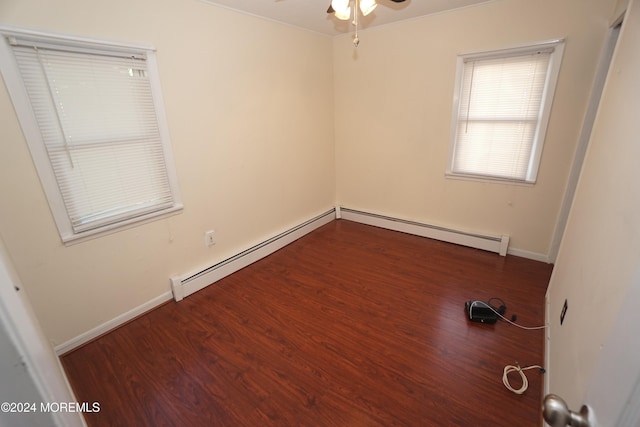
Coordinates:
489 179
115 228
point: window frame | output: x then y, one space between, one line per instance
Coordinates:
34 139
555 60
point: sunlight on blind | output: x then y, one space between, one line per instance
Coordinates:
99 126
499 110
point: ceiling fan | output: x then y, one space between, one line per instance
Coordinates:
342 10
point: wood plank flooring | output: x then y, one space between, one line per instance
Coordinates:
351 325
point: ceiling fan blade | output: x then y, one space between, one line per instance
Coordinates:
397 1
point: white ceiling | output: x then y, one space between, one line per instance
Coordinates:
312 14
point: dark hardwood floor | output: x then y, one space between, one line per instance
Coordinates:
351 325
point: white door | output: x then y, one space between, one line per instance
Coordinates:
593 357
18 392
614 391
30 373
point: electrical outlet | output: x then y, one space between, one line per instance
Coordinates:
209 238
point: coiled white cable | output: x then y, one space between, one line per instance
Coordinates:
517 368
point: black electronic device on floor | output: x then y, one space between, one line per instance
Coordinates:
479 311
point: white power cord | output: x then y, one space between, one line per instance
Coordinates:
517 368
529 328
511 368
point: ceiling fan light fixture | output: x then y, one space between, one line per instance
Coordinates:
367 6
341 8
343 15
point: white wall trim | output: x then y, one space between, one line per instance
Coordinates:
187 284
547 345
108 326
458 237
39 361
230 265
492 243
535 256
182 286
585 135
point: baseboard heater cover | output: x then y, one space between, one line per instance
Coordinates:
187 285
497 244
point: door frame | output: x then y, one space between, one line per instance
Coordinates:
38 356
606 55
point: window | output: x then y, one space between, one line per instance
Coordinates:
94 122
501 109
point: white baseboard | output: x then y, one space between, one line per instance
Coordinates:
498 244
187 284
224 268
111 324
535 256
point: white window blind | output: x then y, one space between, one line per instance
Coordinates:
96 113
502 109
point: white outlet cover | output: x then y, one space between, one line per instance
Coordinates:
209 238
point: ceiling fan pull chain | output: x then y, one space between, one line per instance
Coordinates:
356 40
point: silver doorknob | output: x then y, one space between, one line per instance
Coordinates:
557 414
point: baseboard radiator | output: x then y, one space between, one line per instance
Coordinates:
498 244
190 283
193 282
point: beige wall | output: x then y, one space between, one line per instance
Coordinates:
393 115
252 126
250 109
